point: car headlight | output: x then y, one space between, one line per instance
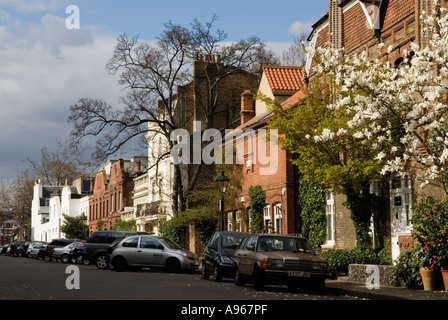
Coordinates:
273 263
319 266
226 259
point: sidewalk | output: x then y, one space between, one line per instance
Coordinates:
343 286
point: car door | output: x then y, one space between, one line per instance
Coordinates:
210 253
129 249
150 252
245 256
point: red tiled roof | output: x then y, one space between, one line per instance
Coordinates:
284 80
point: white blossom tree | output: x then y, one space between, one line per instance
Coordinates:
399 110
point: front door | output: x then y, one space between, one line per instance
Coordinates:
400 211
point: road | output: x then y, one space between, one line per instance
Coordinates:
30 279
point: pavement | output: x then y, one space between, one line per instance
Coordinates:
342 286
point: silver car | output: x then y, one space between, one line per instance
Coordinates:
154 252
62 254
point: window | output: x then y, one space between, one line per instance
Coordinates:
329 210
278 217
250 242
150 243
99 237
130 243
230 221
267 217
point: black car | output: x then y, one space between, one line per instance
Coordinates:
16 248
97 246
5 249
218 255
56 243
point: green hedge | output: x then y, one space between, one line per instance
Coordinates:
340 259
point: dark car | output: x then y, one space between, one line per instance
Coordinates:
279 259
5 249
56 243
42 250
76 254
17 248
218 254
97 246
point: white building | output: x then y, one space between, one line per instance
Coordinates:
50 204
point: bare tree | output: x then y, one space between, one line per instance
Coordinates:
155 76
56 168
16 197
295 55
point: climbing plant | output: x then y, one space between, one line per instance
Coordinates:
257 200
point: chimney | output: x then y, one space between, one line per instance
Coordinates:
247 106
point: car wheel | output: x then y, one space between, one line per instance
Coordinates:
119 264
65 258
258 279
217 275
101 262
204 275
239 281
47 259
172 266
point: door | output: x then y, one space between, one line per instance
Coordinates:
400 210
245 256
150 253
211 252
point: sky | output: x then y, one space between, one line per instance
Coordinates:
46 66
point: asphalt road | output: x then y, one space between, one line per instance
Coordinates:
30 279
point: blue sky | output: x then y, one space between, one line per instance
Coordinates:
46 67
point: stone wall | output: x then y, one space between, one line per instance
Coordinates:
357 273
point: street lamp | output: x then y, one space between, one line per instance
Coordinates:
222 182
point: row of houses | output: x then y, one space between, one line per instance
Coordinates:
137 189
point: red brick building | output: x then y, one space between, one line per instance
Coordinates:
112 193
275 174
356 26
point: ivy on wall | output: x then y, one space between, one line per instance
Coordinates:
257 201
312 205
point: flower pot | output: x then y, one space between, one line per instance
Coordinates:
445 278
429 278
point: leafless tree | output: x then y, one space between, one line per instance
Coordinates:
295 55
153 75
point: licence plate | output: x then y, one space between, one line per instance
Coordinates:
299 274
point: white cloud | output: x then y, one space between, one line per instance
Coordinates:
42 75
30 6
299 27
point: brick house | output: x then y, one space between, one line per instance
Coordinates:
356 26
112 191
277 177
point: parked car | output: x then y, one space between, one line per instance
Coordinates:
218 254
279 259
16 248
33 249
76 254
5 249
95 248
62 254
154 252
56 243
42 250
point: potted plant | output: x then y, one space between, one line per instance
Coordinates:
429 224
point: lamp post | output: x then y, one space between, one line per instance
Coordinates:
222 182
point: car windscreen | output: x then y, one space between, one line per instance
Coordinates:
284 244
231 241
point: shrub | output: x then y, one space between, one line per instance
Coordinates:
340 259
407 269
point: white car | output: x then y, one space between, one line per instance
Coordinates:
154 252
